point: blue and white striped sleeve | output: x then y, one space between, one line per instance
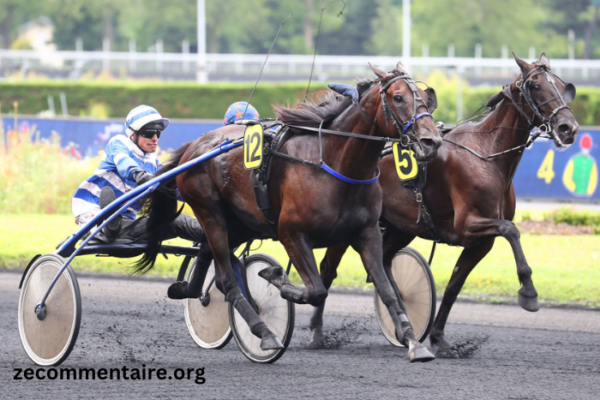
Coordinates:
126 165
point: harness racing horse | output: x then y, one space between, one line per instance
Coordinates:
471 197
315 206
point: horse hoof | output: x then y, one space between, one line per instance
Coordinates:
271 342
275 275
177 291
530 304
440 346
420 354
318 339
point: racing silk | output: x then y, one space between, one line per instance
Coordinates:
121 161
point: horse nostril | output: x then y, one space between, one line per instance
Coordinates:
428 143
564 129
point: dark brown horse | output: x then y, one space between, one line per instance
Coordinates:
314 208
472 199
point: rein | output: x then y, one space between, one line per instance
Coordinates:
405 140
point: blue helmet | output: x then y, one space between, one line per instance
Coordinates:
234 113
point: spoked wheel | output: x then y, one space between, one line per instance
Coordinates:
416 288
276 312
48 341
207 317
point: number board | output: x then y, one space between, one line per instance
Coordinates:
405 162
253 146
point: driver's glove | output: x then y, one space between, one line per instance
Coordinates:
143 177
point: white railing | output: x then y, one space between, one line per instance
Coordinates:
74 64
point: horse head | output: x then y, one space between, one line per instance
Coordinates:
409 108
547 96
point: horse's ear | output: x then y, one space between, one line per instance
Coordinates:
544 60
431 99
380 73
524 65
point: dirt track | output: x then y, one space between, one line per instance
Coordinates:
553 354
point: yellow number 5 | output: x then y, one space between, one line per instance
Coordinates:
546 172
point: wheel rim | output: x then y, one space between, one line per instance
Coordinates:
275 311
208 326
49 341
415 285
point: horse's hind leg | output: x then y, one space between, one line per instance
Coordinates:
302 257
369 246
193 289
469 258
227 279
329 266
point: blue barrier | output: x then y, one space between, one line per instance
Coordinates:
87 138
544 171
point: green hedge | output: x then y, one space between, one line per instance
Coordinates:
174 100
189 100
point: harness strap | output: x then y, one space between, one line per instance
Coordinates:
341 177
425 215
365 116
348 134
328 169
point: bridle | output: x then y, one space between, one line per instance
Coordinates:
524 87
544 129
407 139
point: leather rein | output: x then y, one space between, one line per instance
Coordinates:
406 139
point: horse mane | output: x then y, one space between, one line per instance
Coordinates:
322 108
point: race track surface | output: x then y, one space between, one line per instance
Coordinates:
509 353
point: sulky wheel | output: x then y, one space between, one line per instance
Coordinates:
207 317
48 340
275 311
416 288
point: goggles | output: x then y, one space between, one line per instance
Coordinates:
149 133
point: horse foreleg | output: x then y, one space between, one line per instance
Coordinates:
329 266
528 296
477 228
469 258
301 255
369 246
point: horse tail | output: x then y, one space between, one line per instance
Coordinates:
160 209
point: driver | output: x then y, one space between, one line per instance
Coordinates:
235 112
129 161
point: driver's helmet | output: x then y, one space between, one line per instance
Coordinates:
144 115
235 112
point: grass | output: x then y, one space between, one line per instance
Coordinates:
565 268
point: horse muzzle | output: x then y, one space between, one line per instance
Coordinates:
427 148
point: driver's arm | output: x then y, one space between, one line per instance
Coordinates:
127 167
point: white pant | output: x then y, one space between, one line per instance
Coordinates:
84 218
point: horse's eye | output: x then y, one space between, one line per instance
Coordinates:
398 98
536 87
